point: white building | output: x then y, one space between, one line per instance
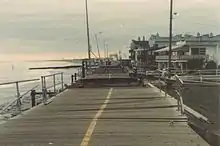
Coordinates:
164 41
194 47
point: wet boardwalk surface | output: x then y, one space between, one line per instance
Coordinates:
119 116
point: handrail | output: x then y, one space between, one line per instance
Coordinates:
178 79
44 84
44 93
21 81
4 108
53 85
52 74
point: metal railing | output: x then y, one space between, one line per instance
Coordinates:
212 75
54 85
42 92
181 57
19 96
183 107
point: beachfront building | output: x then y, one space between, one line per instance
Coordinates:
141 54
188 51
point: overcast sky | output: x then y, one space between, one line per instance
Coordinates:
56 28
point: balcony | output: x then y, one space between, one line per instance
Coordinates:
182 57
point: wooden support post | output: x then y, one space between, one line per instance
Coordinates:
18 97
218 120
83 69
33 98
54 83
44 91
62 81
75 75
72 79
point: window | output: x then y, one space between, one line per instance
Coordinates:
202 51
195 51
198 51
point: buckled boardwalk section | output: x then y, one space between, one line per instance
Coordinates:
108 116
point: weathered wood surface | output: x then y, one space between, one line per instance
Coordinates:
132 116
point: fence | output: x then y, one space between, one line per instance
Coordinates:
36 90
19 96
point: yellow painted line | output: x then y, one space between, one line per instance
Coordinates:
94 121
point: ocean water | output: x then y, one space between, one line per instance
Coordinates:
15 71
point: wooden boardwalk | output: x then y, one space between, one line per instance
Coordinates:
119 116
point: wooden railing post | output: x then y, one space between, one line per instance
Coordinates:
62 81
18 97
33 98
44 90
75 75
54 83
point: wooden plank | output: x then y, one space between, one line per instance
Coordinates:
132 116
140 116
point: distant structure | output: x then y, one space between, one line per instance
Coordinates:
186 49
139 52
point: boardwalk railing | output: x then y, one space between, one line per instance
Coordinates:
50 85
19 96
180 87
46 86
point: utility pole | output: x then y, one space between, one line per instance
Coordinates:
170 38
107 50
104 49
87 26
97 43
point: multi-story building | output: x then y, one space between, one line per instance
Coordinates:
188 50
138 51
159 41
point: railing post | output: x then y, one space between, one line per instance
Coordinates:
54 83
62 81
160 83
45 83
18 97
75 74
83 69
44 94
166 86
180 102
42 82
218 120
71 79
33 98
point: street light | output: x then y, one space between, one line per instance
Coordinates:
106 44
170 37
87 28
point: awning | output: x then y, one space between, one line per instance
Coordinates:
177 46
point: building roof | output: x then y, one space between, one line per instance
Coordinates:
177 46
187 37
141 43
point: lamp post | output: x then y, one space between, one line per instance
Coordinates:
170 38
106 44
87 28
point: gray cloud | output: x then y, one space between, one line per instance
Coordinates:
59 25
